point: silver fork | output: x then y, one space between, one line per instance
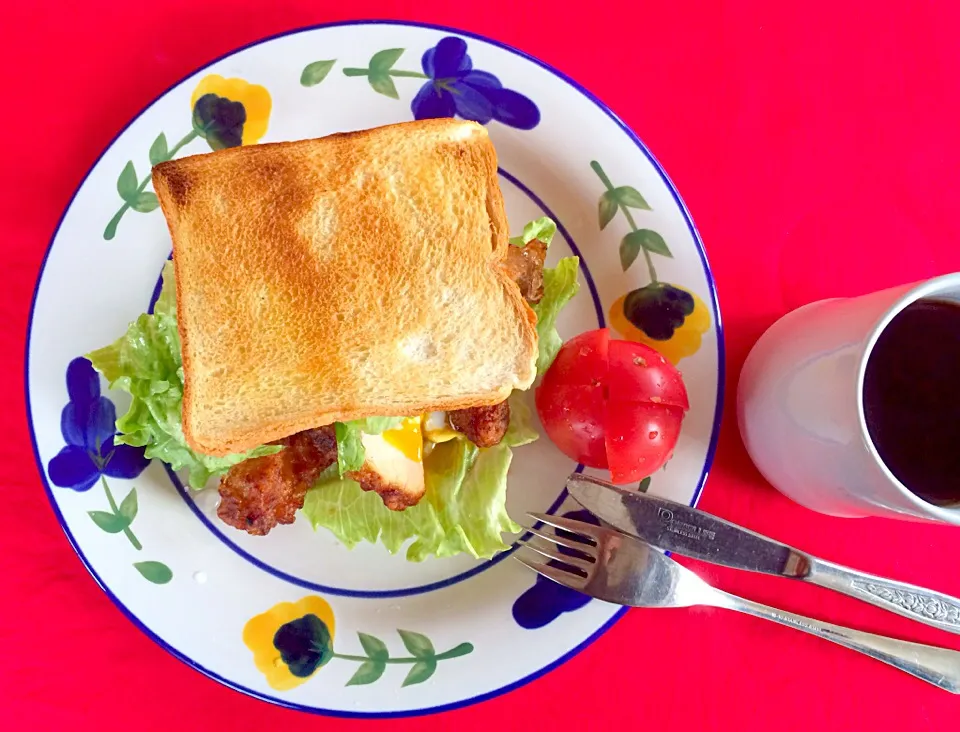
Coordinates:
611 566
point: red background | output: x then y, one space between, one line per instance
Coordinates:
815 144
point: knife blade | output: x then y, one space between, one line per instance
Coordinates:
684 530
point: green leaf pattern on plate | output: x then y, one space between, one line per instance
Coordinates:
109 522
380 72
383 61
367 673
423 657
421 671
127 182
158 150
630 197
119 519
131 189
383 84
621 199
374 647
156 572
417 643
316 72
641 240
145 202
608 209
128 506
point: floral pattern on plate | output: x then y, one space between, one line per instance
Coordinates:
662 315
452 87
225 113
88 426
293 640
546 600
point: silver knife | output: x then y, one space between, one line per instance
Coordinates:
693 533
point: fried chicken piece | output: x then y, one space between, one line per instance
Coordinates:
395 497
260 493
524 265
483 426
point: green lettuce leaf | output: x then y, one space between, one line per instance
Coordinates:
146 363
542 229
166 304
559 286
376 425
520 431
462 511
350 451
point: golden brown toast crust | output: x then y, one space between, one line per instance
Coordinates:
354 275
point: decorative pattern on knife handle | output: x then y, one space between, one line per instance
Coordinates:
928 606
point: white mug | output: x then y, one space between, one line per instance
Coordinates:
800 406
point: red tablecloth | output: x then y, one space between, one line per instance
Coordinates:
816 144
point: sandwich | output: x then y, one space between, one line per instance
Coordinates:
346 331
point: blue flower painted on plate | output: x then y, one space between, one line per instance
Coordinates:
546 600
88 427
456 88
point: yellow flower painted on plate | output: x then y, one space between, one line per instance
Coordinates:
666 317
291 641
230 112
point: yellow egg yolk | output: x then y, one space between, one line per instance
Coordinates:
408 439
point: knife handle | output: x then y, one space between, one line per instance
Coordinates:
924 606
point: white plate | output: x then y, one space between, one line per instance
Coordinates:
195 584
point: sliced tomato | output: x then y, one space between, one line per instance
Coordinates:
573 417
613 403
639 438
582 361
638 373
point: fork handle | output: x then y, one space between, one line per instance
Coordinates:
938 666
917 603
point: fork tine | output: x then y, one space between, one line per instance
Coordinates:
574 527
560 576
579 546
556 556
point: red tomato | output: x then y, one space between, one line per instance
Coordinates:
637 373
582 361
573 417
571 399
639 438
613 403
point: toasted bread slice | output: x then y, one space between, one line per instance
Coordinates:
350 276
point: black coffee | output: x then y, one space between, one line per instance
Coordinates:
911 399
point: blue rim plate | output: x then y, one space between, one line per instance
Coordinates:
455 631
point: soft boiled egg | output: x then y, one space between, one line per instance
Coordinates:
397 456
436 428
